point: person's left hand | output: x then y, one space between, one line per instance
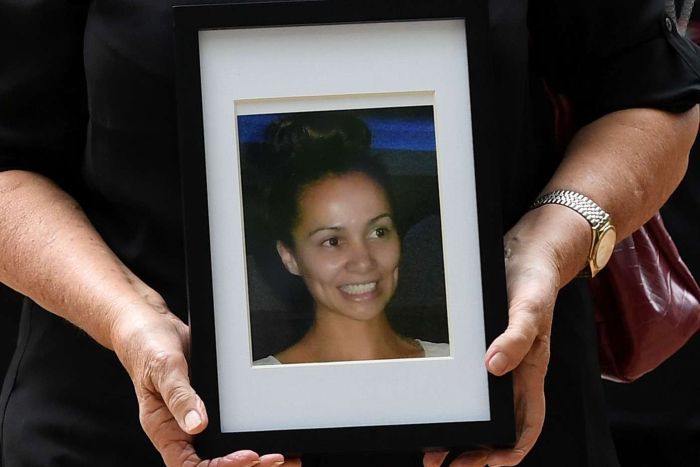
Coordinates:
533 275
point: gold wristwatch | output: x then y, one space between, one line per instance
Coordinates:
604 235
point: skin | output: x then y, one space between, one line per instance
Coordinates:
629 162
347 251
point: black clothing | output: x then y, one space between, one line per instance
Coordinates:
87 93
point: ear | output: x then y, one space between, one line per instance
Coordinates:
288 259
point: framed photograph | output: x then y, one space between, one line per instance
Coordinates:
344 248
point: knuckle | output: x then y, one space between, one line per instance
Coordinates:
160 360
162 363
163 375
522 334
519 454
154 424
177 396
536 367
519 343
540 353
531 305
179 453
148 414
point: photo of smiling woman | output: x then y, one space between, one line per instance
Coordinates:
330 207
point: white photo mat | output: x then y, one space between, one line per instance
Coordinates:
333 67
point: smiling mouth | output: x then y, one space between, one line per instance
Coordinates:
359 289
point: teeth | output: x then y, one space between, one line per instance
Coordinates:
357 289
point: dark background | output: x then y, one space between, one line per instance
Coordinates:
655 420
10 304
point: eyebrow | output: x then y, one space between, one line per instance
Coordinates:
321 229
375 219
338 228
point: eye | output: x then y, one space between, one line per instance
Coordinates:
379 232
332 242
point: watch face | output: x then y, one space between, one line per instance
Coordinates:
606 245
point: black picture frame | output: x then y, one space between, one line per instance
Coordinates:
190 21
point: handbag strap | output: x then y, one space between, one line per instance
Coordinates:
684 17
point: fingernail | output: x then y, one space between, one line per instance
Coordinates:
498 363
192 420
253 464
278 463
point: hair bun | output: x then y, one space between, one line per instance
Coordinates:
314 132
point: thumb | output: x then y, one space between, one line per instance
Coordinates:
434 459
510 348
532 291
173 385
529 317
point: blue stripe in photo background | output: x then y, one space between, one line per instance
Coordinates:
251 128
409 134
388 133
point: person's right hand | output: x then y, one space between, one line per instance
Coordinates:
51 252
153 345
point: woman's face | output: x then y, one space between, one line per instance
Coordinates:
346 247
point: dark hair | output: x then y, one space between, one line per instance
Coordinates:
310 147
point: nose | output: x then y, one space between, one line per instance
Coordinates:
360 257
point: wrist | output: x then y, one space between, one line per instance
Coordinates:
555 234
603 233
144 327
136 310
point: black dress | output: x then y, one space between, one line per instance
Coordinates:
87 98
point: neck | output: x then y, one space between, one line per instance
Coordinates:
335 337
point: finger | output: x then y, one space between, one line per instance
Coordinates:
188 458
176 447
292 463
170 380
471 459
529 396
236 459
529 405
434 459
272 460
173 444
524 445
505 457
510 348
